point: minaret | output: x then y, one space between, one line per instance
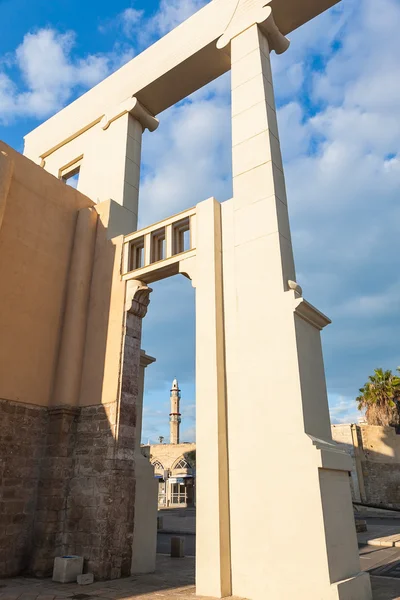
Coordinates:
175 415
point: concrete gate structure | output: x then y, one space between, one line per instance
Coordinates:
257 339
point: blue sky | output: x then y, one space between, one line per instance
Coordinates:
338 98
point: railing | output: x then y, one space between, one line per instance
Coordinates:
154 252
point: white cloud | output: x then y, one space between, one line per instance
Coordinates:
173 12
49 74
130 19
372 305
144 31
187 159
344 410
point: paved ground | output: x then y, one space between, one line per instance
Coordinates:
174 578
164 543
374 557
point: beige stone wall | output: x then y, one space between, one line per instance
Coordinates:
380 444
36 237
375 453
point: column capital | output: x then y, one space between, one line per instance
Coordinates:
137 298
136 109
252 12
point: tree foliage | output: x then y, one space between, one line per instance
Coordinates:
380 397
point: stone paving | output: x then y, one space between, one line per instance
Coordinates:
173 580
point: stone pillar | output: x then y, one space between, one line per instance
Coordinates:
101 501
110 169
274 367
72 345
144 544
213 568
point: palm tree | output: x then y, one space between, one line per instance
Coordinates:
380 396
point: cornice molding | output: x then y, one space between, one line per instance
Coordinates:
251 12
136 109
309 313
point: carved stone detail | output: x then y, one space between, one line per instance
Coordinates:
137 298
137 110
248 13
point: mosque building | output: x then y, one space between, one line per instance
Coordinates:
174 463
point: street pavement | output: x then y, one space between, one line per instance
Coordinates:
174 577
164 543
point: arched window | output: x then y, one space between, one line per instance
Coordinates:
157 465
182 464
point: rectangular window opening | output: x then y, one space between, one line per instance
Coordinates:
181 236
137 254
158 245
69 174
72 178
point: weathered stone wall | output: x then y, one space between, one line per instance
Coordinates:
380 460
22 438
87 482
99 515
86 493
375 452
56 470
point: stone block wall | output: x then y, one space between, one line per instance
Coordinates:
99 514
375 452
56 470
85 499
380 462
382 483
22 440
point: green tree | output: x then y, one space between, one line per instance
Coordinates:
380 398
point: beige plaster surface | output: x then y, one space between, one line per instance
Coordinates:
36 238
101 362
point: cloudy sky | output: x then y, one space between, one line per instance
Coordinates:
338 98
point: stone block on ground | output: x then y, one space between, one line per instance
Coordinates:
67 568
85 579
177 547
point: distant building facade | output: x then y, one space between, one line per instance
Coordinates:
174 463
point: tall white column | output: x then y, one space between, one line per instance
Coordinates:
111 163
213 569
107 158
288 483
